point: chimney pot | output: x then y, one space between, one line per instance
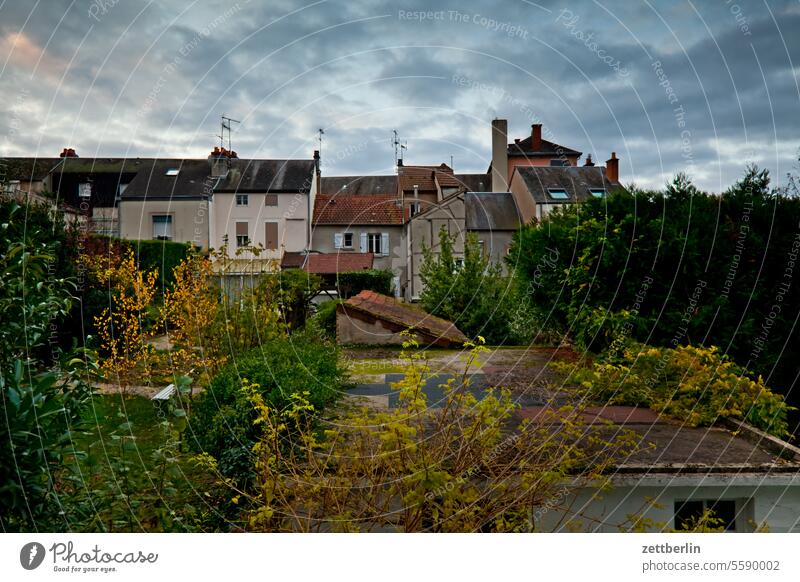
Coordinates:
536 137
589 161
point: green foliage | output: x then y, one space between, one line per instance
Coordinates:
42 390
222 422
326 316
670 268
695 385
353 283
474 295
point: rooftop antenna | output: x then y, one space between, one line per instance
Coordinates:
399 146
321 132
226 126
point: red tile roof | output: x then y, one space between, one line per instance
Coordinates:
402 314
332 263
425 177
377 209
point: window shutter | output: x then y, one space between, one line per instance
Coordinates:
384 243
241 229
337 240
271 236
363 242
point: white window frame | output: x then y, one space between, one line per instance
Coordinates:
242 200
170 235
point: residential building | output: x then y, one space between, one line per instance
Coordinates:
265 203
537 190
169 199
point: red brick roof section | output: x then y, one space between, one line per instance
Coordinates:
332 263
396 312
347 210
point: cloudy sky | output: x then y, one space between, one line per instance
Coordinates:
704 87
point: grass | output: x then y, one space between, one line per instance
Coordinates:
122 465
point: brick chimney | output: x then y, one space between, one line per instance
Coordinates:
68 153
536 137
589 161
499 155
612 168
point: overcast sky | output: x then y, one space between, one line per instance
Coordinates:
702 87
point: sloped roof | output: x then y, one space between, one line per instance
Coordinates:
425 177
359 185
267 176
491 211
101 165
394 311
27 169
332 263
524 147
339 209
475 182
574 180
192 182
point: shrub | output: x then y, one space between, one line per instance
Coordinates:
222 423
326 316
474 295
353 283
695 385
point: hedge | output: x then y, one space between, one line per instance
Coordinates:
353 283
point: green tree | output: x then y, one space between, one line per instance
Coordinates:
473 293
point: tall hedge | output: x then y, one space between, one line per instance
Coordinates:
672 268
353 283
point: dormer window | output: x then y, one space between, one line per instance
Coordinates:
172 171
558 194
597 192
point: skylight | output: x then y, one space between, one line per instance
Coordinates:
597 192
558 194
172 171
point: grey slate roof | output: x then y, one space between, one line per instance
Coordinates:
475 182
193 181
575 180
359 185
491 211
267 176
26 169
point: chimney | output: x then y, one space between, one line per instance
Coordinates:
68 153
317 172
220 162
499 155
612 168
536 137
589 161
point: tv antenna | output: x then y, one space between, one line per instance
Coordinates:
399 146
320 133
226 126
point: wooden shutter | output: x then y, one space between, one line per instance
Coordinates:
241 229
271 238
363 242
271 200
337 240
384 243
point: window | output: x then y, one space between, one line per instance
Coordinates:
162 226
171 172
242 200
482 247
378 243
459 263
343 240
271 236
559 163
597 192
85 190
558 194
271 200
242 238
688 512
415 208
